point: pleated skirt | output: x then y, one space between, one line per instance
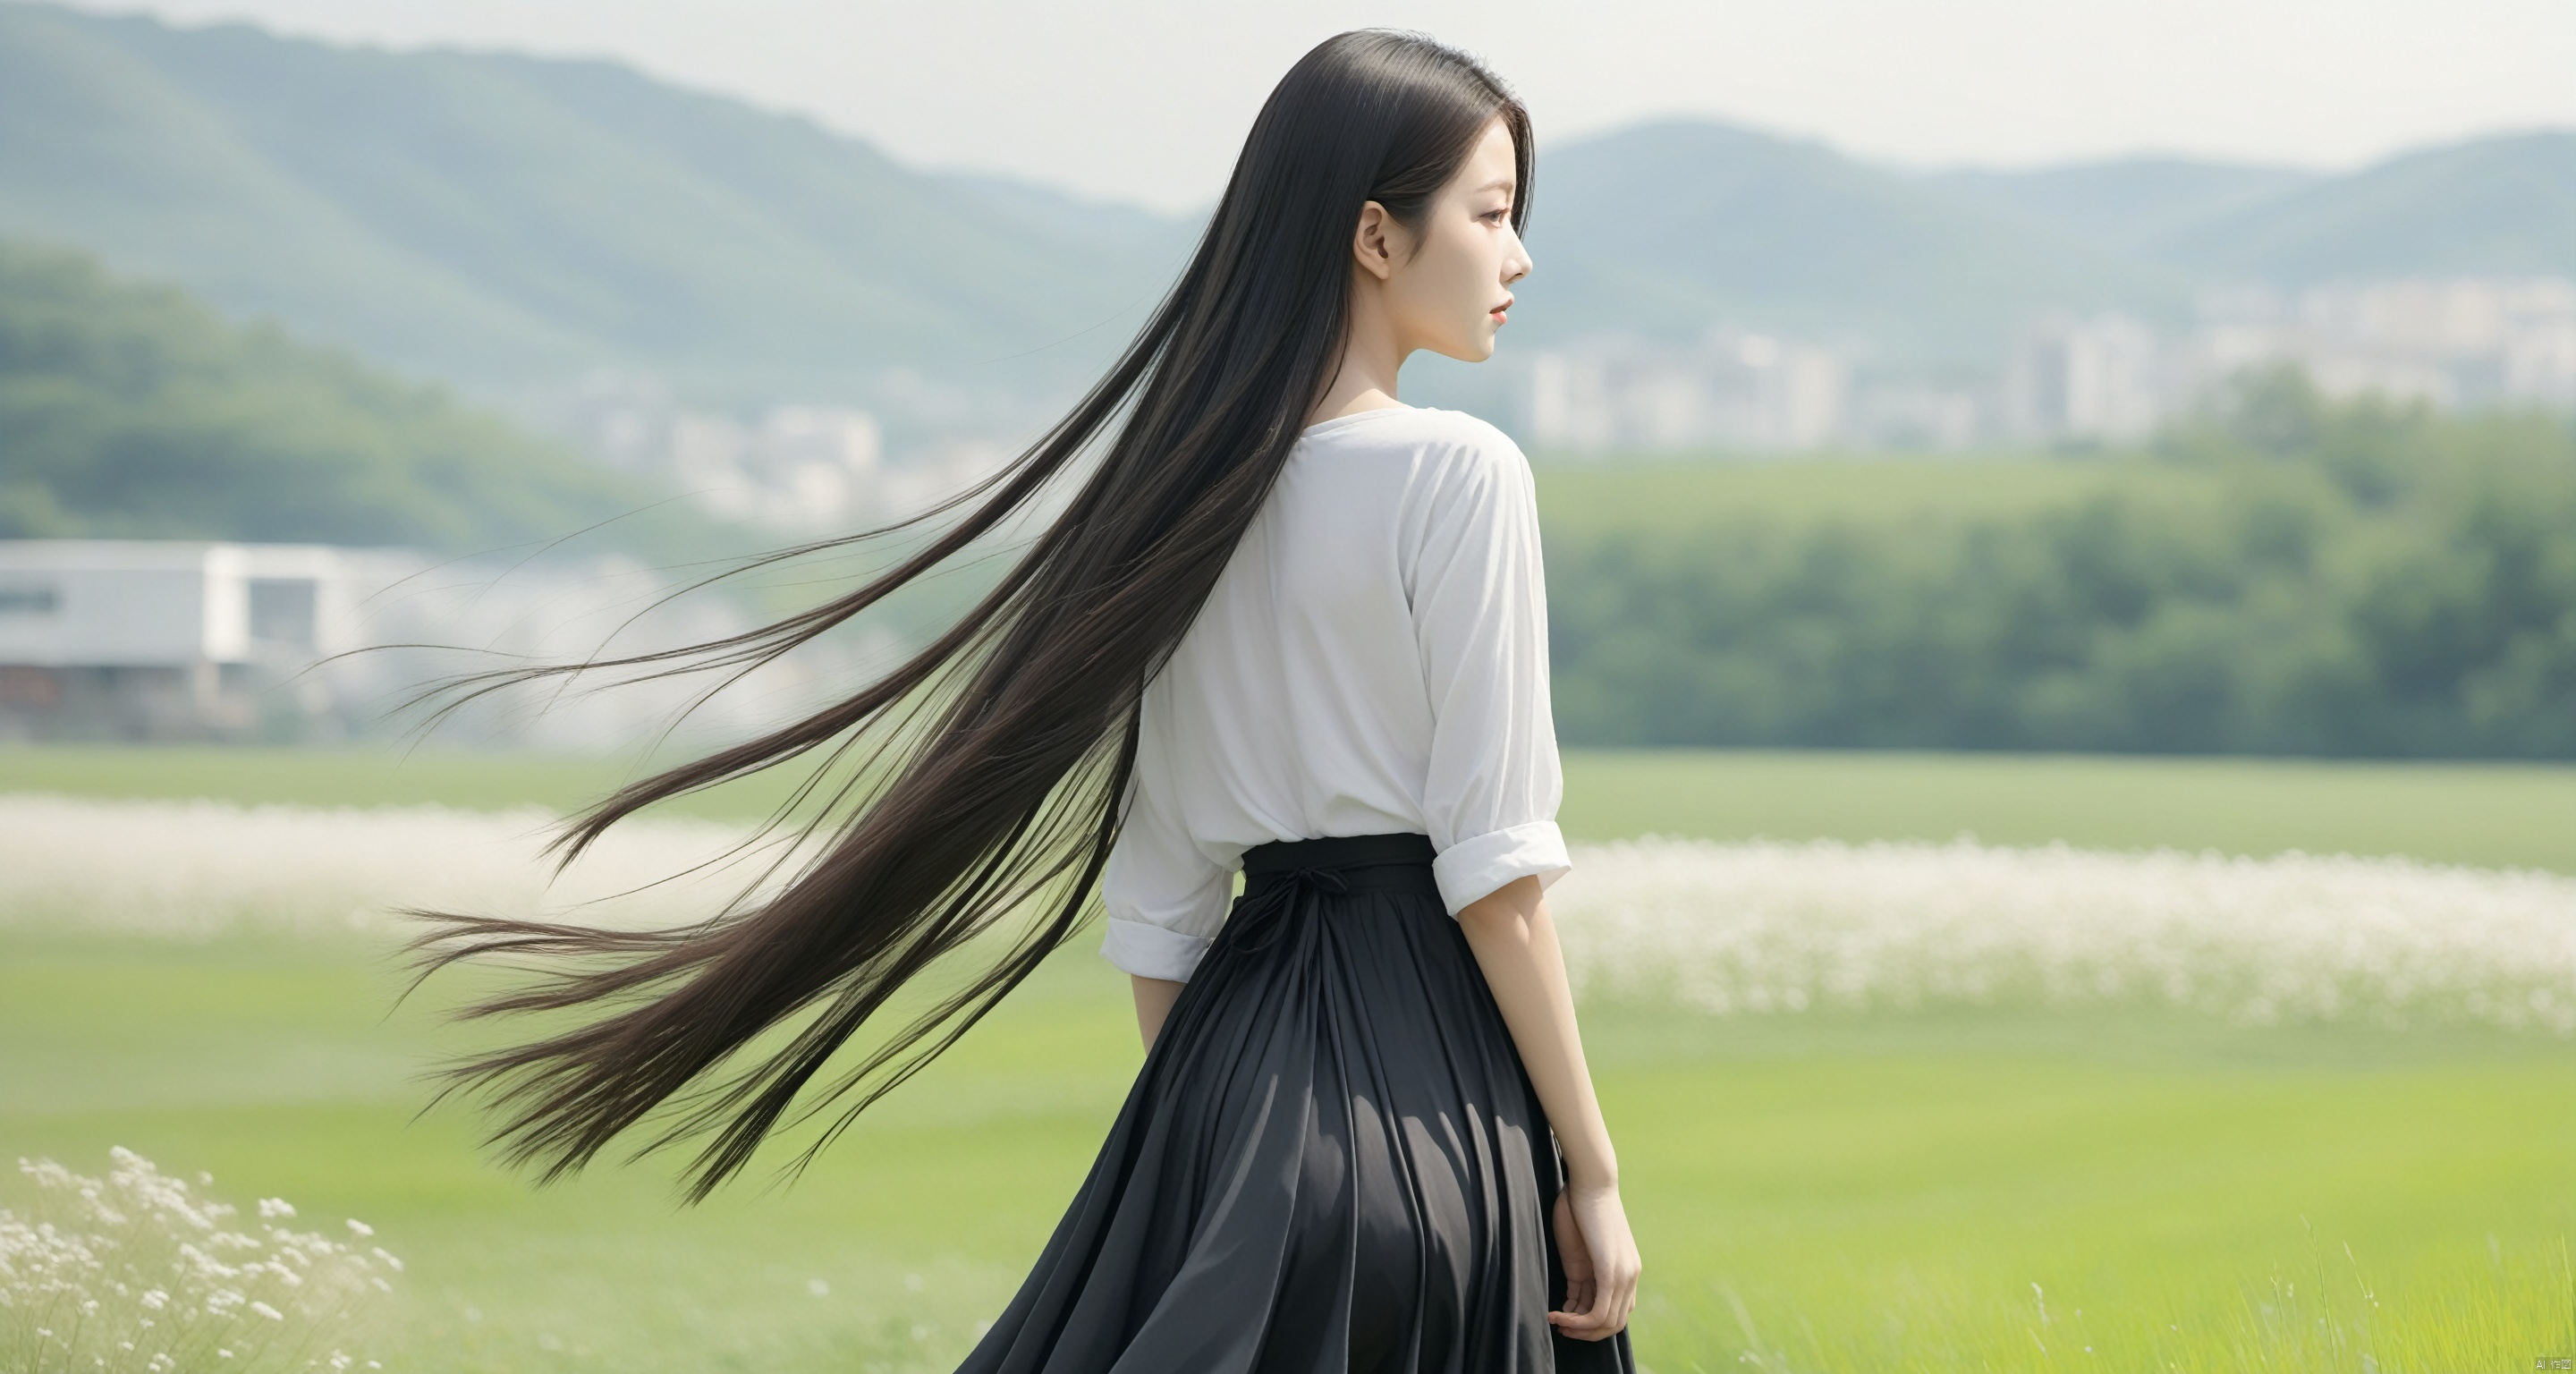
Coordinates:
1332 1161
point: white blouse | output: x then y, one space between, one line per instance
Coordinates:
1372 659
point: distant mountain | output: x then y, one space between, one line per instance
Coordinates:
2495 205
2133 204
498 220
1105 225
1668 227
484 217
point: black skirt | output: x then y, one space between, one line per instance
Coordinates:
1331 1161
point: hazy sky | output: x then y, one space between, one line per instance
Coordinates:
1148 100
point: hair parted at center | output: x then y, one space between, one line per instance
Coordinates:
1004 747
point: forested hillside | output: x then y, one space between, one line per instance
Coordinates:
2285 576
490 219
477 216
130 410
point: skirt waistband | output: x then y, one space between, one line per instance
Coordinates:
1355 863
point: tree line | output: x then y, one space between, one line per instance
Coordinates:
2340 578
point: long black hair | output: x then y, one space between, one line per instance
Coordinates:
1002 749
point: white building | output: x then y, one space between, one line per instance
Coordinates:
152 639
2452 343
166 637
1734 390
2449 342
2097 378
799 469
803 469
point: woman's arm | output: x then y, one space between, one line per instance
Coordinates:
1154 999
1515 945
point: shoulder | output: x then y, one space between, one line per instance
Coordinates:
1468 461
1426 429
1433 447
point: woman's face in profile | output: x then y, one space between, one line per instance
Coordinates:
1449 294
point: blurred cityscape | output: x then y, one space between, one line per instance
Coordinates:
2457 343
2068 378
795 469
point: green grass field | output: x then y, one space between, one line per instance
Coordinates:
1893 1192
2501 815
1858 489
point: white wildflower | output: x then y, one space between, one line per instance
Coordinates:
1728 929
155 1278
190 869
818 1288
360 1229
275 1207
1763 927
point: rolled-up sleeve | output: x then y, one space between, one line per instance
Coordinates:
1165 898
1480 618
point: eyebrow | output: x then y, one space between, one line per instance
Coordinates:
1498 184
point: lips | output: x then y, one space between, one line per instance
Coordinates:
1497 311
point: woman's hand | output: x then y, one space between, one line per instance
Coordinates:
1515 944
1601 1264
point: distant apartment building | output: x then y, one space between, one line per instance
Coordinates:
798 469
1734 390
2453 343
2098 378
801 469
155 639
2456 343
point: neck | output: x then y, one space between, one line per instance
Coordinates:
1365 374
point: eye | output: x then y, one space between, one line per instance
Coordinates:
1495 216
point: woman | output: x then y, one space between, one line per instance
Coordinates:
1285 622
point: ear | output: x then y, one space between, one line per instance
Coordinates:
1372 244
